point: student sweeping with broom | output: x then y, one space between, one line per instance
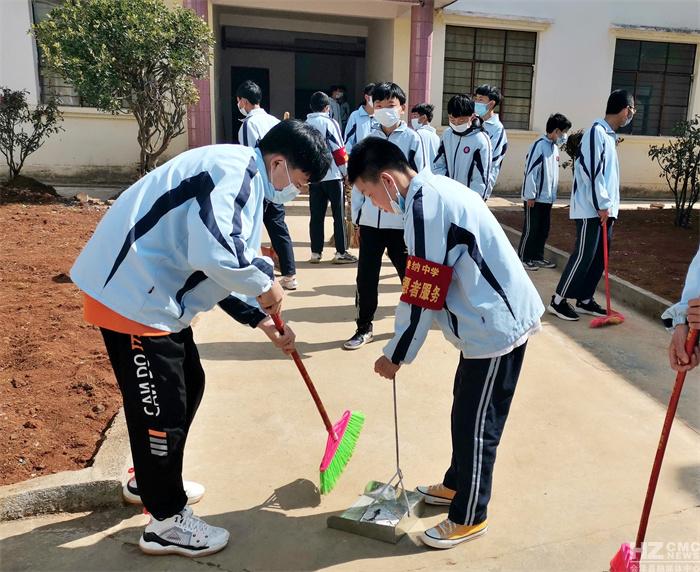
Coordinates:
463 273
174 244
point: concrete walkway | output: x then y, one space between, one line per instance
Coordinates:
570 477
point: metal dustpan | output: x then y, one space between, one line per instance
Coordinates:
384 511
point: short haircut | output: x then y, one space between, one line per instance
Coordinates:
388 90
618 100
460 106
319 101
490 91
250 91
369 88
424 109
373 155
558 121
302 146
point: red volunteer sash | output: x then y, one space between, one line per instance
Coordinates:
426 283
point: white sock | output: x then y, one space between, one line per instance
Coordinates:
557 299
586 301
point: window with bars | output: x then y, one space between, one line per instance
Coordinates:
52 85
504 58
660 76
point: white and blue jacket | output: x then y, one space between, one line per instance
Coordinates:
364 212
330 131
359 126
431 142
499 146
491 303
596 174
541 171
181 239
466 158
255 126
678 313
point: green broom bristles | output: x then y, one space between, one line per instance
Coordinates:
346 447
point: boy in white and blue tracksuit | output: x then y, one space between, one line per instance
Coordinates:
330 189
465 151
177 242
421 116
256 124
487 309
361 121
595 202
487 98
539 191
381 231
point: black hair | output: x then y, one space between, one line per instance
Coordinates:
557 121
460 106
619 100
490 91
424 109
369 88
373 155
388 90
302 146
250 91
319 101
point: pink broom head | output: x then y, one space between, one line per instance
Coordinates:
613 319
625 560
334 440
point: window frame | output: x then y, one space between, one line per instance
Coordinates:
473 61
665 74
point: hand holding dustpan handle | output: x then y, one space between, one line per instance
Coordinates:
279 324
690 343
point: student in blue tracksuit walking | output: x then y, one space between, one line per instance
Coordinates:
361 121
330 189
256 124
463 274
381 231
595 203
539 191
421 116
465 151
174 244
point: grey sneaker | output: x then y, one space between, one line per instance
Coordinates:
358 340
544 263
344 258
289 282
530 265
315 258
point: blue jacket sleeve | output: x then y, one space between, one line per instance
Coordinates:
351 132
499 148
425 233
220 230
533 167
440 162
593 162
242 312
678 313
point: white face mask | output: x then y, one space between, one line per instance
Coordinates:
416 124
562 139
287 194
397 207
460 128
242 110
387 116
629 119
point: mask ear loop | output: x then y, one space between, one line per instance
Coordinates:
287 170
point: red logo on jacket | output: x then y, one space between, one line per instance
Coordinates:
466 149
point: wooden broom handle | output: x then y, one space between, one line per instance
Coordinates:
690 343
279 324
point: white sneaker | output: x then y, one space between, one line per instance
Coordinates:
183 534
194 492
344 258
289 282
315 258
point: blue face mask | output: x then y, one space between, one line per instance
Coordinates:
398 207
288 193
481 109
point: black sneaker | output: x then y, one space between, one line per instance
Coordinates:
358 340
563 310
544 263
591 307
530 265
